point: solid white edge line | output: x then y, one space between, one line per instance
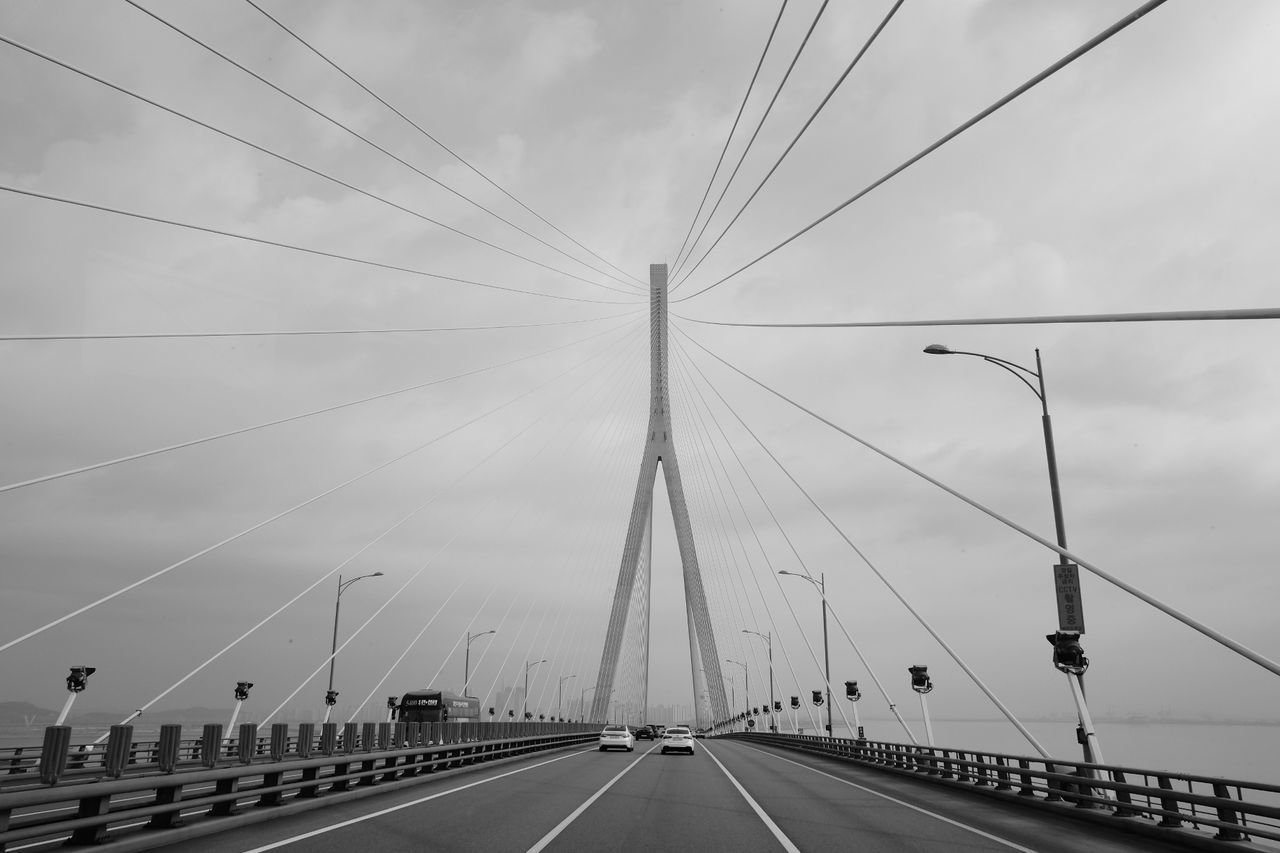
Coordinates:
923 811
562 825
322 830
773 827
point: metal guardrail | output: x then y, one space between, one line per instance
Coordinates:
1154 802
83 793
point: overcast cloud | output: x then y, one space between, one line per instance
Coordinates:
1141 178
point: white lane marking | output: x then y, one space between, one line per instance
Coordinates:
955 823
36 844
773 827
562 825
322 830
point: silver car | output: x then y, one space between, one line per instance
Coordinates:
617 737
677 739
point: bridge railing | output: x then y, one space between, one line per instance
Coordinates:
1162 802
58 759
82 794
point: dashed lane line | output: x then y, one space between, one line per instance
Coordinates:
322 830
564 824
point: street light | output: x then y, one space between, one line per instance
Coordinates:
242 693
528 666
77 681
1066 574
853 694
922 684
821 586
768 638
466 664
560 694
746 679
331 697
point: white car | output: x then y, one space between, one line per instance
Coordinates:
617 737
677 739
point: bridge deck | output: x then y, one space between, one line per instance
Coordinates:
730 796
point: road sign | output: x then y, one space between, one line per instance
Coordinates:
1066 580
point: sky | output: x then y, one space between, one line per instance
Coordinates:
495 483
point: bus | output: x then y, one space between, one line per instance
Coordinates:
438 706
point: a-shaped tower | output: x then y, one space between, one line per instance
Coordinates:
708 684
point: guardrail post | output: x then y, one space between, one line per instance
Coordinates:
1122 796
982 773
247 743
92 806
369 740
95 805
1168 804
170 795
350 734
119 743
328 738
167 757
385 743
270 779
53 755
211 744
350 737
1084 789
306 739
279 741
1053 787
1226 815
1002 775
1028 786
168 747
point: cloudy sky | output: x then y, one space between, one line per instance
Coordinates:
495 484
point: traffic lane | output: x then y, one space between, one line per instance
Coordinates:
669 802
512 807
816 811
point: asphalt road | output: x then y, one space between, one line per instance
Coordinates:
730 797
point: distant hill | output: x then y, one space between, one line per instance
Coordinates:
25 714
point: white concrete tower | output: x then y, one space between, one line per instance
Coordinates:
708 685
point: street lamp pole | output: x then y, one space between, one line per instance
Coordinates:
746 682
466 665
768 638
581 699
1068 656
333 650
528 666
821 585
560 694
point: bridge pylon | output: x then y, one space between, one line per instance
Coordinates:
659 447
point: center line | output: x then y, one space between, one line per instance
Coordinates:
560 827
